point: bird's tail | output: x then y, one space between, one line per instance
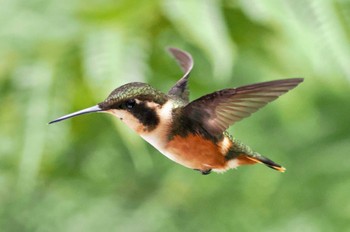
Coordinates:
245 156
253 159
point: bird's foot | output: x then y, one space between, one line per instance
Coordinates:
204 172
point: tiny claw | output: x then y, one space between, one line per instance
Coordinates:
204 172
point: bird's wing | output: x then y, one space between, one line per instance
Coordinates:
217 111
185 60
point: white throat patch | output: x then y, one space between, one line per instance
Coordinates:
156 137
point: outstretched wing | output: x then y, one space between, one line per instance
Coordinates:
218 110
185 60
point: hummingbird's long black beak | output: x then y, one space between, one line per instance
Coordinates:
84 111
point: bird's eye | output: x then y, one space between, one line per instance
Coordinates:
130 103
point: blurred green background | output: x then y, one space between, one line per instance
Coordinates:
92 173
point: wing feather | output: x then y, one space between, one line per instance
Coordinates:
218 110
185 61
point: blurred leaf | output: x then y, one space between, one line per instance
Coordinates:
189 18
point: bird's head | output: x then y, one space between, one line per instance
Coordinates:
136 104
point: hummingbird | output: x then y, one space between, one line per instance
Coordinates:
192 133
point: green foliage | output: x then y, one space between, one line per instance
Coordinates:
93 174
